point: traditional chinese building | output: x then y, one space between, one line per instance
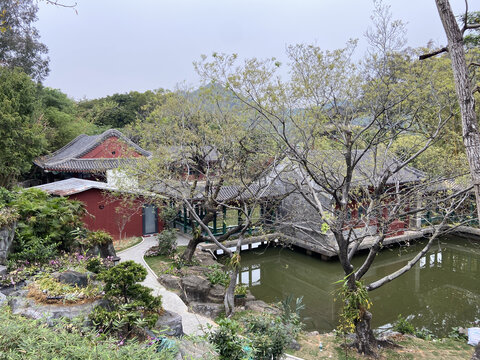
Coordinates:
90 157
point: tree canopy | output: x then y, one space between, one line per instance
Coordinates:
20 44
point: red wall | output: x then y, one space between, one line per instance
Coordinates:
113 144
104 213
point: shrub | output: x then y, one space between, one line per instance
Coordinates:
270 336
7 216
168 216
99 237
227 342
240 290
46 225
28 339
167 242
291 313
133 307
217 276
402 325
94 265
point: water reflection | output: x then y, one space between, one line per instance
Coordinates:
441 291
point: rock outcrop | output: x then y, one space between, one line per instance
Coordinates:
21 305
6 239
170 323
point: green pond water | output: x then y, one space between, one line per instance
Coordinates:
441 291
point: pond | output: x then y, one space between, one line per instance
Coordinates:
440 292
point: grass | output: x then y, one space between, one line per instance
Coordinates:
162 262
124 244
411 348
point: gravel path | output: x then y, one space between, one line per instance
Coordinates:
193 324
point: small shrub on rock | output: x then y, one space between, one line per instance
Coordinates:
46 289
99 237
217 275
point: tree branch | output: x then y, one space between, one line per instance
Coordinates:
433 53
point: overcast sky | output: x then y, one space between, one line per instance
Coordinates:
115 46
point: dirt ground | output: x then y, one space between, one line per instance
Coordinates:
409 348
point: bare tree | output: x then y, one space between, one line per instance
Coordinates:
209 162
339 123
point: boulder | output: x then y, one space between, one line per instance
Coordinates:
6 239
71 277
3 270
294 345
261 306
204 258
104 250
170 281
195 288
21 305
7 290
210 310
195 270
170 324
3 299
216 294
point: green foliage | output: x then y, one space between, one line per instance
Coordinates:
291 312
20 44
99 237
45 287
117 110
133 306
59 113
227 342
23 270
46 225
167 242
6 197
168 215
7 216
27 339
270 336
21 134
253 336
240 290
217 275
456 334
354 303
94 265
402 325
424 334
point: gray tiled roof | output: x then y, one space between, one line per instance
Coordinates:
68 158
73 186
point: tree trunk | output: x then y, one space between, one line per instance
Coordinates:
463 87
196 239
476 354
366 343
229 300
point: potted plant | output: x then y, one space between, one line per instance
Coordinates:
240 295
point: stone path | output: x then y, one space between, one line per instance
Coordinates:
193 324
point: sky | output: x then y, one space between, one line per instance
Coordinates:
117 46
